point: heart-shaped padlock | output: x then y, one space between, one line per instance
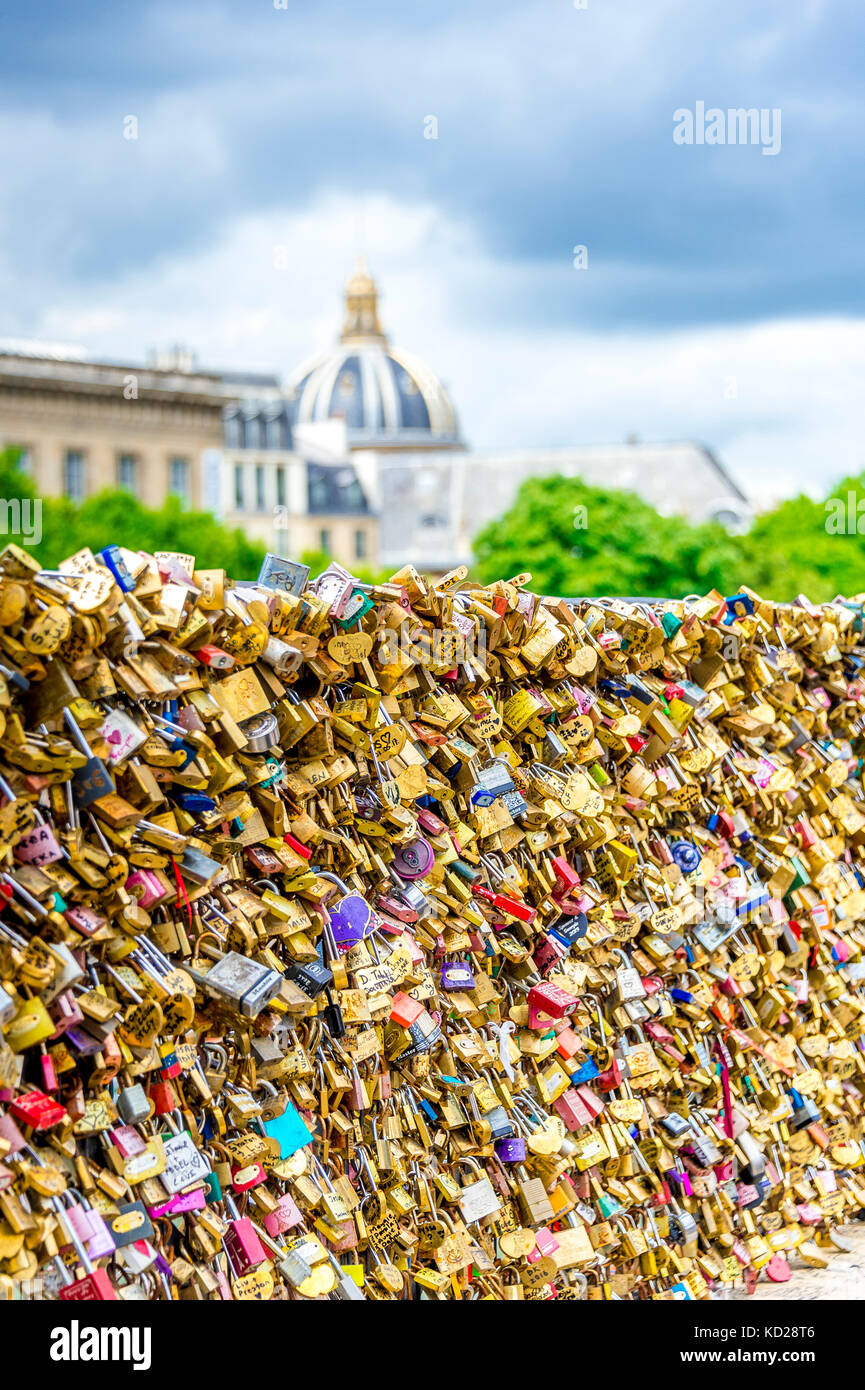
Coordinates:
778 1269
351 920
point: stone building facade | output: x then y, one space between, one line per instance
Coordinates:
84 426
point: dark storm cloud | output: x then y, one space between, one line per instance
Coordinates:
555 129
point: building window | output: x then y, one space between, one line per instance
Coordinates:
127 472
280 487
324 540
238 487
360 545
233 430
259 487
73 475
178 478
276 433
25 457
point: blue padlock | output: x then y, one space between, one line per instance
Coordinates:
686 855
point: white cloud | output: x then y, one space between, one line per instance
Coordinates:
778 401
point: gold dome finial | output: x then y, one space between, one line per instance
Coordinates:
361 305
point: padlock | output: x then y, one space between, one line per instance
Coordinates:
715 836
240 982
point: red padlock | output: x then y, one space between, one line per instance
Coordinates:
296 845
215 657
94 1287
161 1093
38 1110
548 953
547 1002
572 1109
404 1010
567 879
242 1243
509 906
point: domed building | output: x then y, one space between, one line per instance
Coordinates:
360 455
388 399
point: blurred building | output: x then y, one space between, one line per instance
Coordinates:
359 454
389 400
294 487
433 504
83 426
302 472
219 440
432 495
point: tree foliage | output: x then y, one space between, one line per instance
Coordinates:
572 538
576 539
117 516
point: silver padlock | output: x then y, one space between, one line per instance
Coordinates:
246 984
132 1104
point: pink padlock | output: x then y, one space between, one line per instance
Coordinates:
188 1201
65 1012
335 586
593 1103
778 1269
820 915
545 1244
146 887
84 919
429 822
102 1241
809 1213
243 1245
284 1217
38 846
179 1203
806 834
548 953
572 1110
774 913
568 1043
567 879
79 1219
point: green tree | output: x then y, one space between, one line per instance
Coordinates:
797 549
572 538
117 516
576 539
13 482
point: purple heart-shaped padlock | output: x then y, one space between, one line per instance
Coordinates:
351 919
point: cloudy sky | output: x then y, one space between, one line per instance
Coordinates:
723 297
